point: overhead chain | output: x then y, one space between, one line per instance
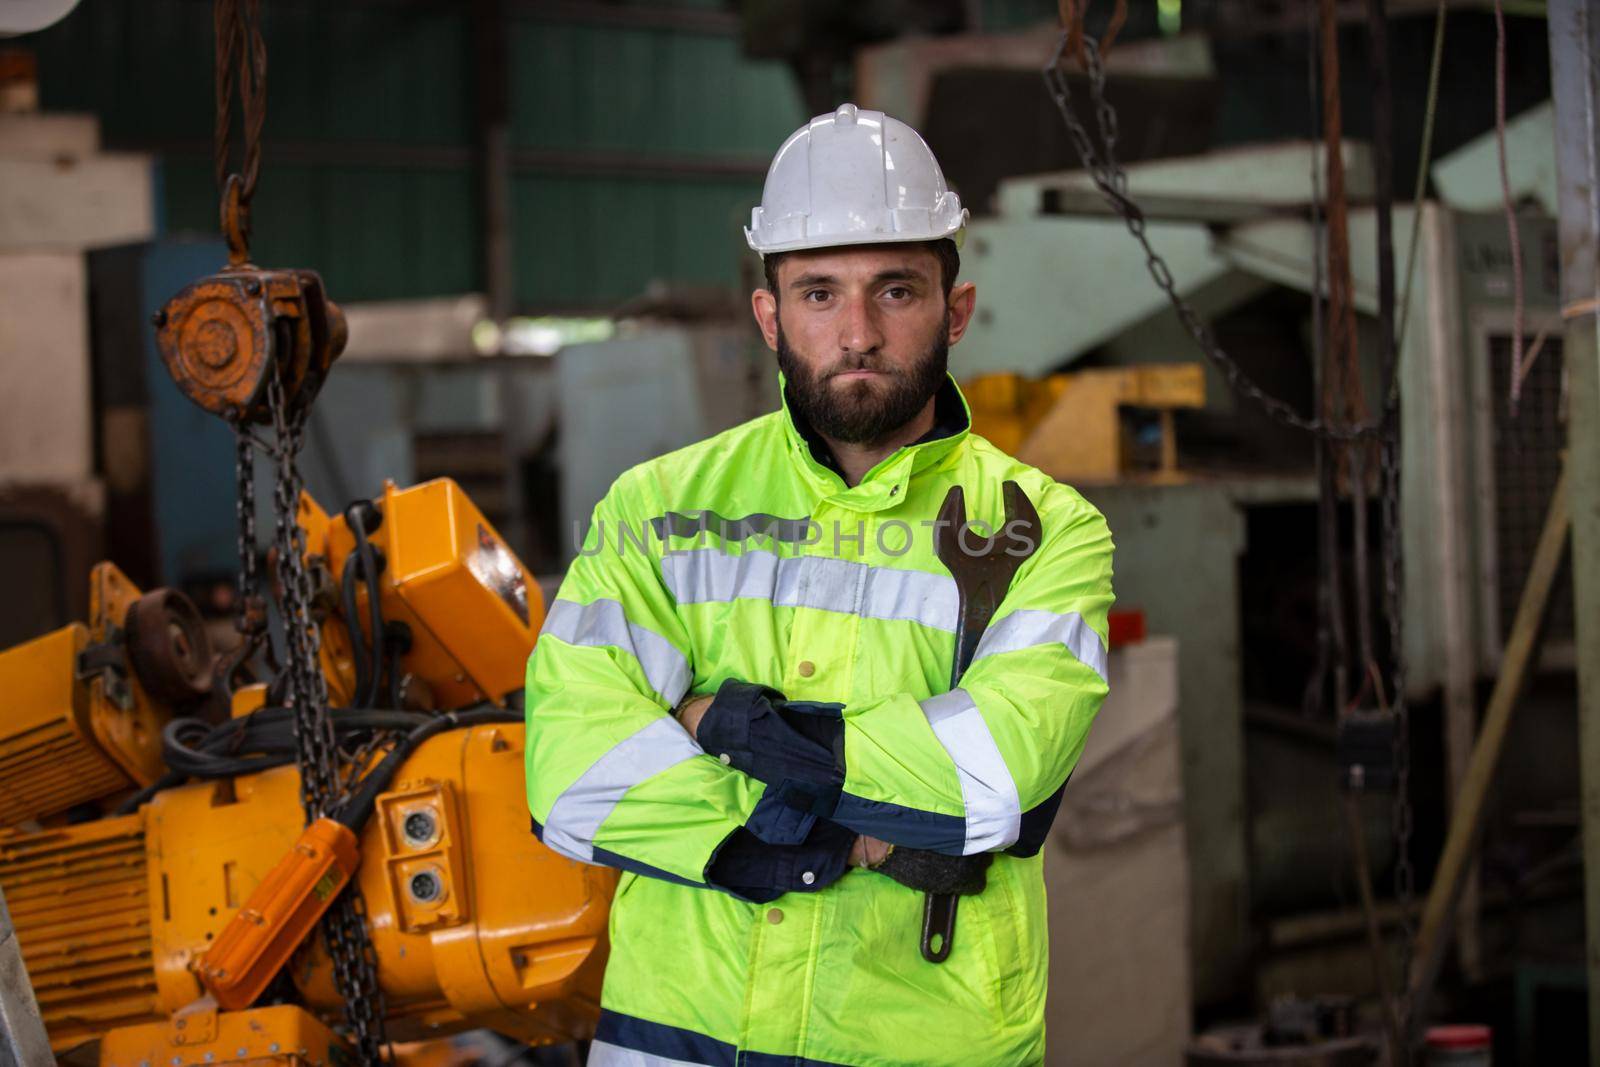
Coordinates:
318 754
241 66
1389 461
1405 880
1112 182
250 608
355 964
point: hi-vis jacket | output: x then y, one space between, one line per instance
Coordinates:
739 936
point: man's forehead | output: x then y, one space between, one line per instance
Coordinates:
859 262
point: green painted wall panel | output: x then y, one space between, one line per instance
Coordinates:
591 242
580 87
1002 15
348 83
394 78
372 233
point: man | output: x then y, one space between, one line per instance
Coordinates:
777 588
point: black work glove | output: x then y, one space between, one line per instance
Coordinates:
935 872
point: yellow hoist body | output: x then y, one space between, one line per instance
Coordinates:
113 913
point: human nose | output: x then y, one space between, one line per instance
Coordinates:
859 332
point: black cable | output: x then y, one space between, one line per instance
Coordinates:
369 572
358 642
143 796
264 739
392 665
364 798
397 642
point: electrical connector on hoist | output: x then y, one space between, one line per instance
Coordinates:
295 894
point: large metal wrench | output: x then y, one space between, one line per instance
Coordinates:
983 569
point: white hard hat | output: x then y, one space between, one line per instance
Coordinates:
852 178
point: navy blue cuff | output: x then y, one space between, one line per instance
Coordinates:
777 820
753 870
1036 823
724 729
795 746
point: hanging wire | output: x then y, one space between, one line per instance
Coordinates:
1424 161
1519 367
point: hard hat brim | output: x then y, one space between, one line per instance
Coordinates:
821 241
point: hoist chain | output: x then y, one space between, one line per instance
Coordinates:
241 65
355 964
1405 882
355 973
318 756
1112 182
244 472
250 612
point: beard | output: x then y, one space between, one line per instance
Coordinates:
863 412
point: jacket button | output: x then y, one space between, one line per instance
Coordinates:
775 916
807 668
724 757
808 878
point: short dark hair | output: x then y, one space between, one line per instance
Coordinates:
944 250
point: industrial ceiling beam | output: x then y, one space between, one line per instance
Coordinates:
385 154
492 126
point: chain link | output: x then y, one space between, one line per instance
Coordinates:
350 949
1405 883
1112 181
241 66
244 469
355 973
308 688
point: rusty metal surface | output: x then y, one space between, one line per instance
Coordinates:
223 336
168 647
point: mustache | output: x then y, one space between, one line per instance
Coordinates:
851 364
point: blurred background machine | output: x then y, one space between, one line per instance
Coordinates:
1220 560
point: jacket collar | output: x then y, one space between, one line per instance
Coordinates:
885 484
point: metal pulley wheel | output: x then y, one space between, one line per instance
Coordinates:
168 647
223 337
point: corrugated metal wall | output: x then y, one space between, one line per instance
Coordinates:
639 134
638 141
640 152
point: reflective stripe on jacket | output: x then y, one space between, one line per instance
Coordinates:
746 557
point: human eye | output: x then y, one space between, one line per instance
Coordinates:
816 296
898 292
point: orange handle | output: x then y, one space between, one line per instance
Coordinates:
263 934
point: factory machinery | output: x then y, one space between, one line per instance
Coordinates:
211 858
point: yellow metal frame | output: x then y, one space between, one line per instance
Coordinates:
516 943
1070 425
473 609
203 1037
67 740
